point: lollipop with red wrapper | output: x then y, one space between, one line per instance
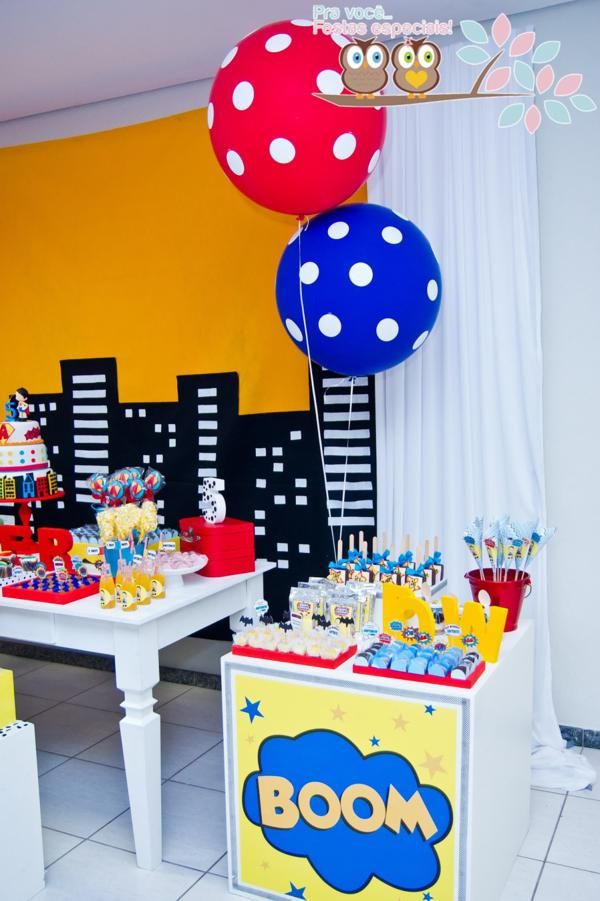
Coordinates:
136 491
97 485
124 476
154 482
115 491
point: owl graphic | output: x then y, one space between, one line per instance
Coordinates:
363 64
416 65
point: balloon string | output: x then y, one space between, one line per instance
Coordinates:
346 461
313 389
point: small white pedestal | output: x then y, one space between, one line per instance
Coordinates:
21 849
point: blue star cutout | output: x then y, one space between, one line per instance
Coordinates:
251 709
427 896
296 892
374 742
429 708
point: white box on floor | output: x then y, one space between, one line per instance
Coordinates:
21 849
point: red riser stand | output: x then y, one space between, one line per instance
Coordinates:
444 681
302 659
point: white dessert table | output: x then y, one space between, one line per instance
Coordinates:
134 639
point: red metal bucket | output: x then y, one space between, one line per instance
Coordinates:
510 593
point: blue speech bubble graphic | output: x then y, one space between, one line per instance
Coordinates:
400 853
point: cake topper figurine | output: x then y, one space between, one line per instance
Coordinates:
21 396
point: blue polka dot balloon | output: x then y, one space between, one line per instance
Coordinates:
371 287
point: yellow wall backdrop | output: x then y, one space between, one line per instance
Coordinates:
132 243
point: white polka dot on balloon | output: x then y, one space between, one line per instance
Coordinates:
243 95
374 160
229 57
294 330
391 234
360 274
340 40
432 289
338 230
330 325
330 82
344 146
420 340
235 162
309 273
282 150
278 42
303 23
387 329
210 115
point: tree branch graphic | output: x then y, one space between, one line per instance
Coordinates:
491 80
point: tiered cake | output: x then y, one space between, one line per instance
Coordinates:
24 466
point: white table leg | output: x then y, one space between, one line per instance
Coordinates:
136 664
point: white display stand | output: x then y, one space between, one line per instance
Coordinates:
134 639
483 735
21 849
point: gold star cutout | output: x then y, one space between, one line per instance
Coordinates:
250 739
433 764
400 722
338 713
265 865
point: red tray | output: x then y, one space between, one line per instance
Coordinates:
302 659
21 593
446 681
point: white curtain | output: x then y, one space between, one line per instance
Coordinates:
459 425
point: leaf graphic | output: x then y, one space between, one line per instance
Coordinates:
522 43
511 115
568 84
533 119
544 79
546 52
583 103
498 78
474 56
524 75
474 31
501 30
557 112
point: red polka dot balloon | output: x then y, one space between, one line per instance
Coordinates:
284 148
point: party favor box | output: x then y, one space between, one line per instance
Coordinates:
229 545
7 698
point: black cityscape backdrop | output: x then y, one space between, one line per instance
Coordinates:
270 462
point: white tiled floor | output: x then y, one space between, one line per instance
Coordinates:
88 843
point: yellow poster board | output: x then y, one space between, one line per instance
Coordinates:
339 793
7 698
